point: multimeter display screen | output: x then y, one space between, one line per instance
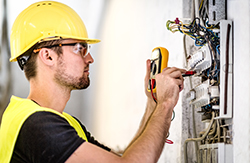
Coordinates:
155 54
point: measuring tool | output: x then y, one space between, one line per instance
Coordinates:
159 61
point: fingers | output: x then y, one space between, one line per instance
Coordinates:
176 74
172 69
170 73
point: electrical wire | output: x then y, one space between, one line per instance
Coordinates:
192 107
195 31
198 139
198 33
201 4
203 33
218 129
151 89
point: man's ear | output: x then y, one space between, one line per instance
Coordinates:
47 56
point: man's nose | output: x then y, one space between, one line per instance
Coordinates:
88 58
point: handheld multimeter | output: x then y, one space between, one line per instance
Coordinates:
159 61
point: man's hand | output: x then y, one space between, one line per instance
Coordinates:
169 83
151 105
150 139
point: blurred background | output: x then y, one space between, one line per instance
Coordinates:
112 107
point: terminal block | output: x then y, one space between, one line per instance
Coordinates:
203 94
201 60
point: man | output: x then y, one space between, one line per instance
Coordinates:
50 43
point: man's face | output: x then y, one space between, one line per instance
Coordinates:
72 68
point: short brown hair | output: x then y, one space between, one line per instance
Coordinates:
30 68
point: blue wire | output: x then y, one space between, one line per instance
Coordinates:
217 49
199 41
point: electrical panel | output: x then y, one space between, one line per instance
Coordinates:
212 97
201 60
204 94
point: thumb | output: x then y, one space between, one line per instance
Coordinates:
148 70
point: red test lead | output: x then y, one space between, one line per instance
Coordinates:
188 73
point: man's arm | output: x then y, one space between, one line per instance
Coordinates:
146 148
148 145
150 106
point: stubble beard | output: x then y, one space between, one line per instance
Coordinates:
68 80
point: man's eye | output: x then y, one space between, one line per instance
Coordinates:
80 49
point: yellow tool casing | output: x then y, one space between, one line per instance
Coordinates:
159 61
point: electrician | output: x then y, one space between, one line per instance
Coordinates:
50 43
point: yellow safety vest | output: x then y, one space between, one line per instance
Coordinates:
13 118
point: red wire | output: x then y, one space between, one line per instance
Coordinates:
169 141
152 87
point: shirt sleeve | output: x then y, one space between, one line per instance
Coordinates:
45 137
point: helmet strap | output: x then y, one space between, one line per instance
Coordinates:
22 61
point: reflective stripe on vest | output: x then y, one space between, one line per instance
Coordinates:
13 118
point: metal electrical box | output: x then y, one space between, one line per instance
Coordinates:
217 10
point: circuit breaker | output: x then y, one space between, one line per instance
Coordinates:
215 95
212 97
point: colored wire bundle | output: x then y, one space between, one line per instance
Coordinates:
201 35
195 31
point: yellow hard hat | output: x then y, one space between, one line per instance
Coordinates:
43 21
